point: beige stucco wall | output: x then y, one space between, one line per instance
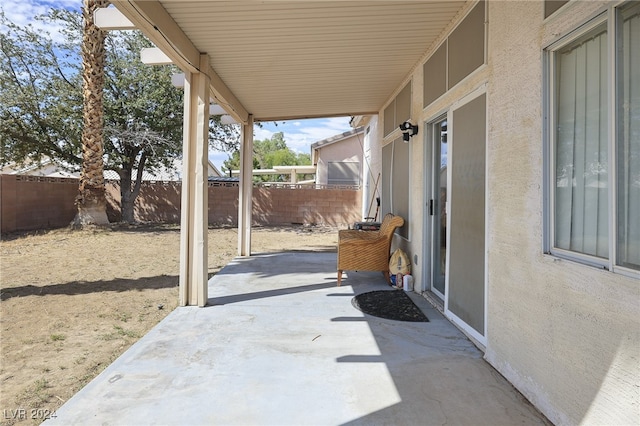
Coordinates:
565 334
346 150
414 245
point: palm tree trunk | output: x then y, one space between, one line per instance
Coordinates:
91 200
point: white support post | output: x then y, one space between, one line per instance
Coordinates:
245 202
194 214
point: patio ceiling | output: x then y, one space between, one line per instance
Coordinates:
284 60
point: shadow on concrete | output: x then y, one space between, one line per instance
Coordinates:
438 376
278 346
244 297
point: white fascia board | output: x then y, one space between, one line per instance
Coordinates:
154 56
215 109
227 119
256 172
296 169
110 18
177 80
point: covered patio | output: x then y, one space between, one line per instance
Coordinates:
273 61
280 344
476 82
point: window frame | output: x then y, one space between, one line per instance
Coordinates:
611 18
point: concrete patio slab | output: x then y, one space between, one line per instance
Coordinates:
280 344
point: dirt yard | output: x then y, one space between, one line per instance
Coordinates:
73 301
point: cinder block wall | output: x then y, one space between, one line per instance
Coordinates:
223 205
333 207
157 202
29 203
35 202
160 202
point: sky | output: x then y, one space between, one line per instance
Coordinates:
298 134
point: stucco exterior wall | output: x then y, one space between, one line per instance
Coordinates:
347 150
567 335
414 246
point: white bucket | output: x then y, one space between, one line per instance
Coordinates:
407 283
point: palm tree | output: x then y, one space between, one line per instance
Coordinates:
91 200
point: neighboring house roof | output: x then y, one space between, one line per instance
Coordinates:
173 173
333 140
45 167
336 138
225 179
48 168
213 170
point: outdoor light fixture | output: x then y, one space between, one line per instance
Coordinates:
408 130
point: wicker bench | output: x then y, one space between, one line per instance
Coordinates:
367 250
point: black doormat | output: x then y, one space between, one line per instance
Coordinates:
389 304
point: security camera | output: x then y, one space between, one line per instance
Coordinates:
408 129
405 126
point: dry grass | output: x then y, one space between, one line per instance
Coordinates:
73 301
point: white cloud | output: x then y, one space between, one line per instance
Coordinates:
311 131
23 12
260 133
218 158
299 134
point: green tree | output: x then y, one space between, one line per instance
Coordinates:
143 126
41 96
41 105
267 154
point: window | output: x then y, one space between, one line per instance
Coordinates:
581 188
434 72
628 139
466 46
594 153
462 52
343 173
398 111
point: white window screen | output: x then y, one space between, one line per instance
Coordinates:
343 173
